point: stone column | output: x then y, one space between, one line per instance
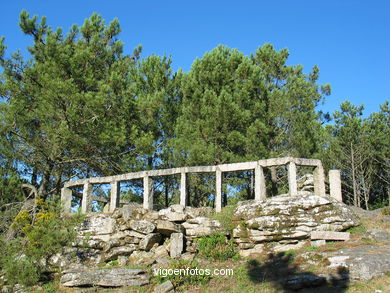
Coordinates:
114 195
218 190
148 193
66 198
86 202
260 189
183 190
292 179
335 184
319 180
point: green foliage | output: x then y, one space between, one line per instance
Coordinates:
357 230
184 278
216 247
41 235
360 148
385 211
225 217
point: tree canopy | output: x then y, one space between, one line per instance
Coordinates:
79 106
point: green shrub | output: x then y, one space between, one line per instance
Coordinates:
225 217
41 235
357 230
385 211
186 275
216 247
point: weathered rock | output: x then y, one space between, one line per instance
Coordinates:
306 183
142 226
167 228
329 235
76 256
318 243
131 210
199 212
202 226
174 213
257 250
145 258
177 244
123 260
165 287
149 240
97 224
377 235
160 251
283 247
289 218
363 262
188 256
122 250
304 280
105 278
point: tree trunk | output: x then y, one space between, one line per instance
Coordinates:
355 193
274 180
166 191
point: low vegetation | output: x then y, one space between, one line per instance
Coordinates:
217 247
39 234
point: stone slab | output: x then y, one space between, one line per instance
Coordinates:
329 235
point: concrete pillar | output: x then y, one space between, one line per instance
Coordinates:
292 179
335 184
218 190
66 198
148 193
86 202
260 189
114 195
183 190
319 181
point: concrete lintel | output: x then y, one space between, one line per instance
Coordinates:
201 169
66 198
275 162
77 182
86 202
307 162
148 193
292 179
114 195
260 188
218 191
183 189
238 166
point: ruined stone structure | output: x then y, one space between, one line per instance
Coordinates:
259 184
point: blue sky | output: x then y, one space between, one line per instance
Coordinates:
348 40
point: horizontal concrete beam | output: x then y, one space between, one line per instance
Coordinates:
195 169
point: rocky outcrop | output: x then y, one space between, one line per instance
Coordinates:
362 262
133 235
142 234
105 278
284 221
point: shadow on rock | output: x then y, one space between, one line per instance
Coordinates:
286 276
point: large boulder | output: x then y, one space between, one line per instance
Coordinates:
202 226
285 217
98 224
142 226
362 262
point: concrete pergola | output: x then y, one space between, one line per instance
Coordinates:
257 166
